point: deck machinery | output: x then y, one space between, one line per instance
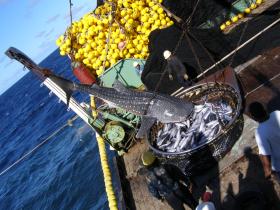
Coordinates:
117 126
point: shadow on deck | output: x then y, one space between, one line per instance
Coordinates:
240 170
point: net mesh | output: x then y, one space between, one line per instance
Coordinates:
206 155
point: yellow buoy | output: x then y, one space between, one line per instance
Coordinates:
222 27
253 6
258 2
240 15
247 10
87 38
234 19
228 23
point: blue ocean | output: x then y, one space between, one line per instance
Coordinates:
65 172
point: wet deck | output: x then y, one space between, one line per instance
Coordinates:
236 171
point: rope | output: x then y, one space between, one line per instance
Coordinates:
187 22
112 13
241 46
277 75
104 162
195 55
176 47
113 205
71 21
239 41
70 11
204 48
38 146
93 107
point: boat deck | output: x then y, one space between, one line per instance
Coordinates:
236 171
254 12
222 178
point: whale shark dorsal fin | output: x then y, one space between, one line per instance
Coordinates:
117 85
146 124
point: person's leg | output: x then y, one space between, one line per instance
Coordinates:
277 173
185 196
174 202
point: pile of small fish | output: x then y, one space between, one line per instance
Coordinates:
205 123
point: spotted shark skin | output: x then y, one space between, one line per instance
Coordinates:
151 106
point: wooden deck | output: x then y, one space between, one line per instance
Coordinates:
219 178
237 172
140 198
260 79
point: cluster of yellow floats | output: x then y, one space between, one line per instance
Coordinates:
235 18
119 29
115 30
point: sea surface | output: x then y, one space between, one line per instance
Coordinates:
65 172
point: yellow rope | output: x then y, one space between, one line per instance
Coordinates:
107 174
93 107
113 205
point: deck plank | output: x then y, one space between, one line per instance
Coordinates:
261 80
142 198
226 177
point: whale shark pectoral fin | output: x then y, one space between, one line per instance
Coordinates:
64 84
117 85
146 124
68 96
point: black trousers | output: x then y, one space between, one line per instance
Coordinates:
185 196
174 201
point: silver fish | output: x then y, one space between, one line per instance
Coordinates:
173 132
185 142
177 140
166 127
163 138
165 145
203 127
159 133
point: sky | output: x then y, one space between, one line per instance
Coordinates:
33 26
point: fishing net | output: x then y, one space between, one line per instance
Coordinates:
203 156
212 39
205 10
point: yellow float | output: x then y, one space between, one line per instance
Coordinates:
123 25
